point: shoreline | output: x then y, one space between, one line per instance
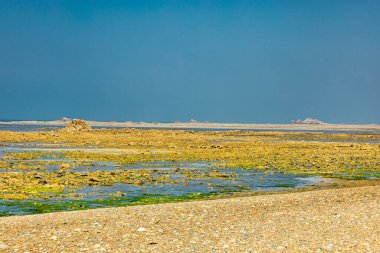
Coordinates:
338 215
344 220
204 125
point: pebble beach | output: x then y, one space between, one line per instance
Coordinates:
330 220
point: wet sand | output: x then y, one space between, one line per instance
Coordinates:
342 220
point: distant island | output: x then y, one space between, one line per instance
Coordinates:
308 121
304 125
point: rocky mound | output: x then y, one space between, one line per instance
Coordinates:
77 125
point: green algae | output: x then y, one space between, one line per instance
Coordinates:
34 175
38 206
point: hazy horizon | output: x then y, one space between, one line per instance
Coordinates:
167 61
178 121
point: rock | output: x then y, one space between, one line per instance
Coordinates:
328 247
60 174
76 125
3 246
94 180
54 237
118 194
43 182
141 229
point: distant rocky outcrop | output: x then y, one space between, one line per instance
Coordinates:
65 120
308 121
76 125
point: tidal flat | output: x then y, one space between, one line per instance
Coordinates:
44 171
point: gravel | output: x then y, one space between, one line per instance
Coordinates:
333 220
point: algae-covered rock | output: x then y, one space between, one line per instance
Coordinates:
77 125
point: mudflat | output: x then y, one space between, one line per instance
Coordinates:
342 220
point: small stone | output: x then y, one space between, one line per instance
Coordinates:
3 246
96 246
328 247
54 237
141 229
43 182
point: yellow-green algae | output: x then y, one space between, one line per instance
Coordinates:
283 151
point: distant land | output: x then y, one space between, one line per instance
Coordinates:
307 124
308 121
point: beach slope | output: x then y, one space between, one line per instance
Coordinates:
344 220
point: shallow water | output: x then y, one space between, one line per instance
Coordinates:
94 196
186 178
27 128
244 180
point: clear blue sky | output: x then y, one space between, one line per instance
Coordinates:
222 61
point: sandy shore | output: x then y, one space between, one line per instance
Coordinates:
342 220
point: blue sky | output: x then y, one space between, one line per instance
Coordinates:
220 61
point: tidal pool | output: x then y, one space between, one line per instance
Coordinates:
164 182
187 181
